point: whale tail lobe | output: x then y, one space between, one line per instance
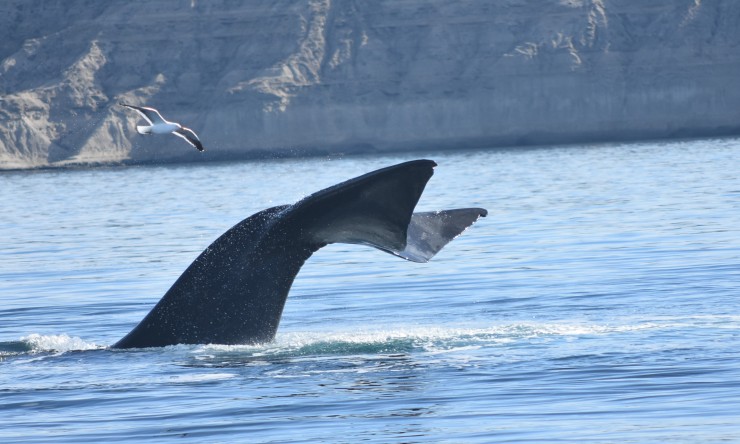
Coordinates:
430 232
377 210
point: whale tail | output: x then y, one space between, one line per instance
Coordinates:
234 292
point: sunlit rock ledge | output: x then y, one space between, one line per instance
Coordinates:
305 77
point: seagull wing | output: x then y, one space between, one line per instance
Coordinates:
190 137
151 115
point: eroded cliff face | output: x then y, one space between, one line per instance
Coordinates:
312 76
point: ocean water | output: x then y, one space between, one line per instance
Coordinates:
598 302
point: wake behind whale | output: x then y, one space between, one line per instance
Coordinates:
235 291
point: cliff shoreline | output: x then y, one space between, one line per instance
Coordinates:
316 77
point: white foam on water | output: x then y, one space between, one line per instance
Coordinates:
203 377
57 343
394 339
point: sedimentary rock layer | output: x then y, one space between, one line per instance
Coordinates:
269 77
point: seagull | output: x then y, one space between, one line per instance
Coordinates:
157 125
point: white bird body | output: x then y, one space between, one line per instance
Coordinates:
158 128
158 125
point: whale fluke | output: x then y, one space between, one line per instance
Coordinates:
235 290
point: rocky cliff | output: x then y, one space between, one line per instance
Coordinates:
265 77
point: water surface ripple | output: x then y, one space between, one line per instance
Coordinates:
598 302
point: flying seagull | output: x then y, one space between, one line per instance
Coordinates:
157 125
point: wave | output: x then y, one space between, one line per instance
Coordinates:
391 341
386 341
36 343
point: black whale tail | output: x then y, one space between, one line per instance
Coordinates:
235 291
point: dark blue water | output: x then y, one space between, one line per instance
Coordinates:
598 302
